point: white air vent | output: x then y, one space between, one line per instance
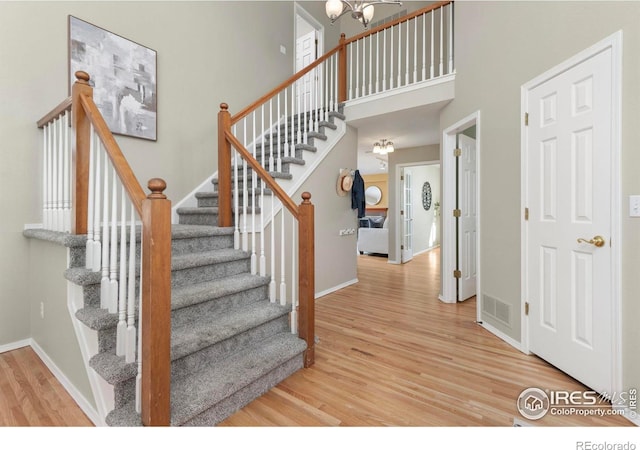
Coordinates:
496 309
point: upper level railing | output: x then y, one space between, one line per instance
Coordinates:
90 189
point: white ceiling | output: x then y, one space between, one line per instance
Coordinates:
406 128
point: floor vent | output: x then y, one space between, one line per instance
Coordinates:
497 309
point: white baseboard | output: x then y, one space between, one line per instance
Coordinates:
426 250
393 261
80 399
15 345
336 288
509 340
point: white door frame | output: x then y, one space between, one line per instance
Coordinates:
614 42
300 11
448 238
398 222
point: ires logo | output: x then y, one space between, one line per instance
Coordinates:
535 403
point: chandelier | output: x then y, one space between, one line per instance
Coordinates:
384 147
360 10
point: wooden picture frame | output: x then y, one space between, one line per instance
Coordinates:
123 74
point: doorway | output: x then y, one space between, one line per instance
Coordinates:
570 187
309 45
460 211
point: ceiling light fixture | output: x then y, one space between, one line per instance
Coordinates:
384 147
360 10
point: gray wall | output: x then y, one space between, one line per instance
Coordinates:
499 46
404 156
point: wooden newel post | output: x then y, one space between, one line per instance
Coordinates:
225 218
306 277
342 70
156 306
80 154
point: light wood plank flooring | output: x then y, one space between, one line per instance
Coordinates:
391 354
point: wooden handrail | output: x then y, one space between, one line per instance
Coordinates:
120 164
263 174
65 105
246 111
406 18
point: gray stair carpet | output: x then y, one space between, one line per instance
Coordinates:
229 344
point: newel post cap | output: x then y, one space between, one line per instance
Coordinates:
224 107
157 187
306 197
82 77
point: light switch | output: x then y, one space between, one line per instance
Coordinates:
283 49
634 206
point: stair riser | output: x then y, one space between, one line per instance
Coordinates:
210 219
214 353
209 272
243 397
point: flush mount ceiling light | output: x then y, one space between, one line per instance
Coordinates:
384 147
360 10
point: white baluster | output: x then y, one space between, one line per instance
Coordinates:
236 192
351 70
357 89
130 351
139 343
391 60
263 259
287 147
60 218
91 200
283 285
299 88
363 92
415 50
254 261
441 66
97 246
279 155
54 174
327 90
67 175
294 276
377 62
305 107
450 38
121 330
316 92
45 177
370 65
113 269
245 199
292 143
407 46
384 60
272 284
424 47
399 55
105 293
330 81
433 40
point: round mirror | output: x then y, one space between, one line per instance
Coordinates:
372 195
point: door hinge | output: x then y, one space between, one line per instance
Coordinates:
526 119
526 308
457 213
402 213
401 177
402 247
457 274
526 214
457 152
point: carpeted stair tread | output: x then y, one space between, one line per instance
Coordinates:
97 318
181 262
189 336
189 295
196 393
113 368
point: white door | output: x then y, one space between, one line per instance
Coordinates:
305 55
407 217
568 193
467 203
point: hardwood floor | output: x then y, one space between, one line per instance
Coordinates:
31 396
389 354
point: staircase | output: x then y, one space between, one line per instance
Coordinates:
229 344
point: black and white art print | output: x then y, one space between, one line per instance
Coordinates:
123 75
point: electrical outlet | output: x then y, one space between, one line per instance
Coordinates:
42 310
283 49
634 206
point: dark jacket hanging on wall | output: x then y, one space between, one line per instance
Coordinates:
357 194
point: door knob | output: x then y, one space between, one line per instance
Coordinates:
598 241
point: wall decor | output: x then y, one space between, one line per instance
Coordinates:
426 196
123 76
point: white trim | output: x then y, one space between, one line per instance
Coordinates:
77 396
393 261
15 345
336 288
33 226
401 90
613 42
509 340
447 240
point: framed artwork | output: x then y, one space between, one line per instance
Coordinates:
123 76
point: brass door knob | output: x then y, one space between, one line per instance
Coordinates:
598 241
